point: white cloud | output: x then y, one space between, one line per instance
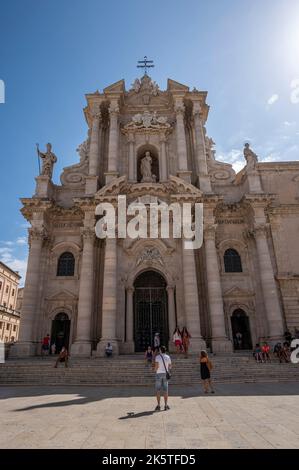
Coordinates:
272 99
5 251
22 241
289 123
235 157
14 255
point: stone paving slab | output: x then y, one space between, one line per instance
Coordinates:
238 416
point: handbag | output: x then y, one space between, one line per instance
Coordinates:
168 375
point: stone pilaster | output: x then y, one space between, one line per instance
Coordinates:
132 162
163 168
171 316
203 177
191 300
26 345
181 141
269 288
130 320
220 342
109 309
94 155
113 142
82 344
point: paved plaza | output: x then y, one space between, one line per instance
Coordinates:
238 416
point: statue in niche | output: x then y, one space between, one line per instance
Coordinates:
49 159
250 157
146 169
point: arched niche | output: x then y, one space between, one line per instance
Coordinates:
155 161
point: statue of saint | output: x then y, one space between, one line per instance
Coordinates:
250 157
146 168
49 159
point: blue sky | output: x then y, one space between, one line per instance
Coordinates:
245 53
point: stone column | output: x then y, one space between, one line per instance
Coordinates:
163 160
171 316
94 157
220 342
26 345
82 344
109 309
270 293
191 300
94 145
181 141
130 322
113 142
132 162
204 179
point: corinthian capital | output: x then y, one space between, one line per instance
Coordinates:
96 114
88 234
210 231
197 110
36 234
179 108
113 108
260 230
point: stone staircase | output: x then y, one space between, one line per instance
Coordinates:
131 370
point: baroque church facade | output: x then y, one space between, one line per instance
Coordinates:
151 145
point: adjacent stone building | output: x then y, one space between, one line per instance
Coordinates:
151 145
9 314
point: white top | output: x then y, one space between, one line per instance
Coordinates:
177 337
161 368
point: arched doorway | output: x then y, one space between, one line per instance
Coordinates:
60 334
150 310
241 330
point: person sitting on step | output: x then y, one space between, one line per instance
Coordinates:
109 350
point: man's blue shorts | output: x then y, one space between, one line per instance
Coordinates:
161 382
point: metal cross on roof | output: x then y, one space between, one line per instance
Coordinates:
146 64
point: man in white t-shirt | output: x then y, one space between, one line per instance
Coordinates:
162 364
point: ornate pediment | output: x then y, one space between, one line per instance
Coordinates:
175 187
117 87
62 295
172 85
237 292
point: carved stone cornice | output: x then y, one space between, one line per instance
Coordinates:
74 211
259 200
86 204
34 205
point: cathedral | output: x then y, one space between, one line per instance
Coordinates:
150 145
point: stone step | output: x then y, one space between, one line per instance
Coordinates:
131 370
